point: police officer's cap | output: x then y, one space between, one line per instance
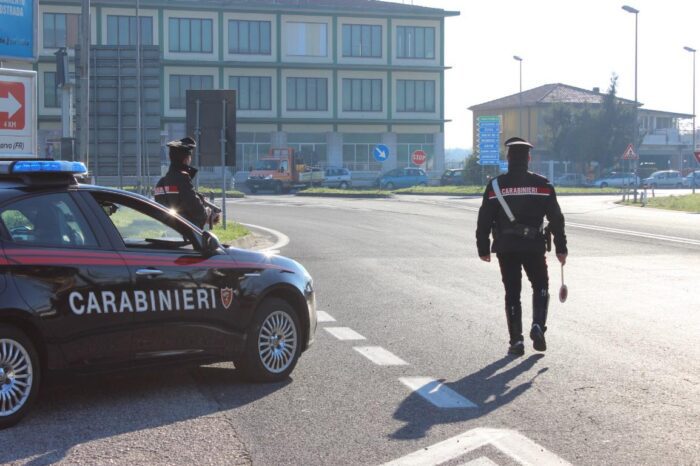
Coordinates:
185 144
517 142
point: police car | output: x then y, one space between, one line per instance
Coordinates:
98 278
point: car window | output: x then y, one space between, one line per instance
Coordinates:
139 227
48 220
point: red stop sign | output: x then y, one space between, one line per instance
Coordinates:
418 157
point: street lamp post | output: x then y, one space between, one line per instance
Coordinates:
629 9
520 95
692 50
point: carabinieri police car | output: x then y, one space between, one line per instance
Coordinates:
98 278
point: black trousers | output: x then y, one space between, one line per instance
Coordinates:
535 265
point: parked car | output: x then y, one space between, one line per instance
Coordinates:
453 176
664 179
688 180
616 180
96 278
571 179
338 178
402 178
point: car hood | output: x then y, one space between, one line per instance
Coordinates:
267 260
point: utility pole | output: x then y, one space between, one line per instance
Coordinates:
139 142
84 155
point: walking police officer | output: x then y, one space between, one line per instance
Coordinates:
176 191
513 210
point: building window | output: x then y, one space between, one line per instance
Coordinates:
362 95
121 30
52 94
309 147
307 94
415 42
252 92
358 152
250 147
179 83
362 40
415 96
249 37
307 39
61 30
190 35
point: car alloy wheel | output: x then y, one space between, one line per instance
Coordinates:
19 375
389 186
343 185
273 343
277 342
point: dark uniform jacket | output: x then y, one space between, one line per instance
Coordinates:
176 191
531 198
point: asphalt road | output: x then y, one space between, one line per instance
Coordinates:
619 384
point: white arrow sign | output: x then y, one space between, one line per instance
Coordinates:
9 105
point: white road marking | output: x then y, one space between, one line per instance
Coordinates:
672 239
344 333
322 316
380 356
282 239
482 461
436 392
513 444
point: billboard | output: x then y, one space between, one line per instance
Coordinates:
18 34
18 128
205 121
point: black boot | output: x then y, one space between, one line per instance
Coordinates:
540 305
515 330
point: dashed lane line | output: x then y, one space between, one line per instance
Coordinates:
437 393
322 316
344 333
380 356
639 234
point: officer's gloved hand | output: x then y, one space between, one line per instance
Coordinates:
215 218
562 258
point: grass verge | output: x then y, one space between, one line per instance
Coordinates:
687 203
232 232
330 192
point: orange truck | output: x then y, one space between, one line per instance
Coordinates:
282 170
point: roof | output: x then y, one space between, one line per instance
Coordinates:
547 94
368 7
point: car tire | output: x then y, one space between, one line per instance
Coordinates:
423 184
603 185
679 185
389 186
278 188
19 365
273 343
254 190
343 185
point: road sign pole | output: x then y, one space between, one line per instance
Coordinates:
223 163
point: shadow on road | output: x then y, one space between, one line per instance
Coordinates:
70 413
488 388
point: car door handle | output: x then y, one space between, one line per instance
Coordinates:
251 275
148 272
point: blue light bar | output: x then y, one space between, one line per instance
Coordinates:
46 166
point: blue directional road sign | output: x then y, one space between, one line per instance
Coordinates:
503 165
488 139
17 34
381 152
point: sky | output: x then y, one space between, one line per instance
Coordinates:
563 41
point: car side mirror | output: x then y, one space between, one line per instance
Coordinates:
210 243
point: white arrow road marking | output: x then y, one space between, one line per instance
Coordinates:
9 105
380 356
344 333
322 316
511 443
482 461
436 392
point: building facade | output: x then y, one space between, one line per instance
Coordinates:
667 142
331 78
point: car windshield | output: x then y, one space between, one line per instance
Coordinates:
266 165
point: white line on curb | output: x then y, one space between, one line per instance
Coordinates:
322 316
282 239
344 333
436 392
380 356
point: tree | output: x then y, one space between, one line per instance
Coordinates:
586 134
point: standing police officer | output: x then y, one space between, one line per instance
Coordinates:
176 191
513 209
